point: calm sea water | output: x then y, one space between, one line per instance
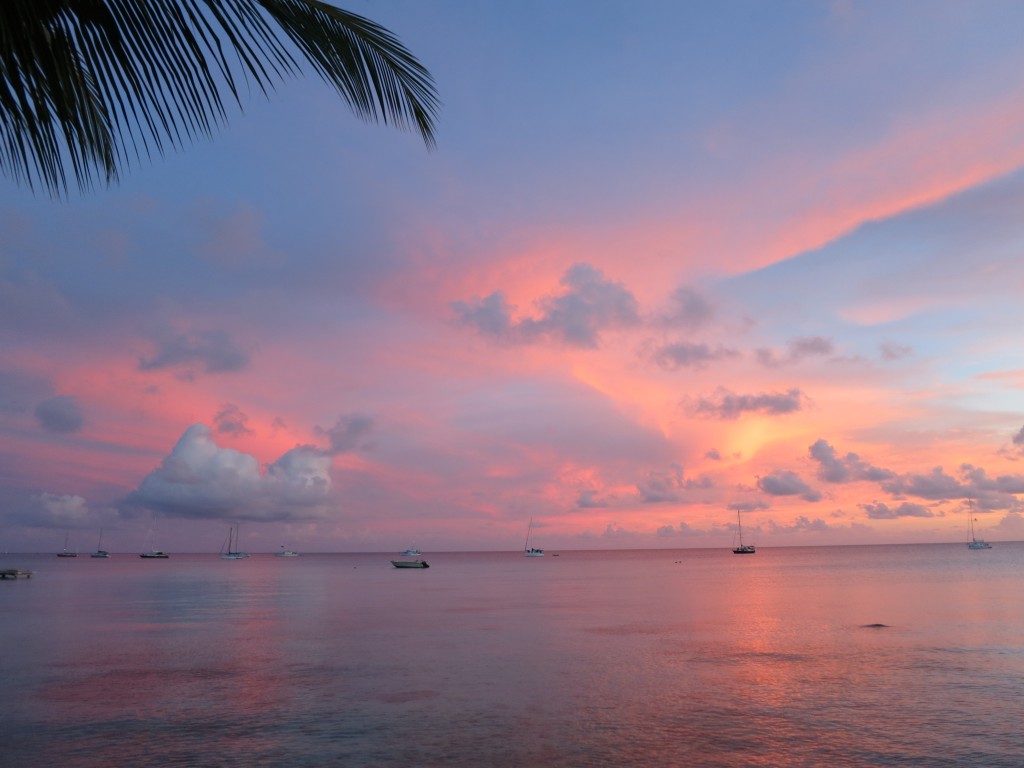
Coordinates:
645 658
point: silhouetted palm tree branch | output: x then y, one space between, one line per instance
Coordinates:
97 84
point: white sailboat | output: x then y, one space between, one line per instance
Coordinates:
975 542
100 551
742 549
231 553
527 549
154 553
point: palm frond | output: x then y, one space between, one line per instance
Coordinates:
90 86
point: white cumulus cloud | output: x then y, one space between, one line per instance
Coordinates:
200 479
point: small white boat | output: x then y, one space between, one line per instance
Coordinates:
100 551
410 563
742 549
286 552
231 553
527 549
974 543
412 552
154 553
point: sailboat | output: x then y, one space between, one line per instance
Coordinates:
527 549
100 551
64 552
742 549
154 553
975 542
232 553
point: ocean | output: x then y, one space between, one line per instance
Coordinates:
806 656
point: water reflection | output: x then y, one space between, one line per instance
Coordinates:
692 658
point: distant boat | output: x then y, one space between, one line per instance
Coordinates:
742 549
154 553
974 543
64 552
410 563
100 551
412 552
286 552
527 549
231 553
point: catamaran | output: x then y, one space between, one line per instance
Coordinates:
232 553
974 543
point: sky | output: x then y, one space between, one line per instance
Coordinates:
668 262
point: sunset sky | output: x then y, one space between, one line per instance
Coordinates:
668 260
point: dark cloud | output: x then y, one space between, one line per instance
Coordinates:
796 350
1018 439
230 420
882 511
747 506
347 432
199 479
998 492
782 482
589 304
61 414
836 469
687 310
801 524
53 510
936 486
661 487
491 315
589 499
890 351
729 405
615 531
212 351
672 357
713 454
670 531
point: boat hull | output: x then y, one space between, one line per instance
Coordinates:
410 563
746 549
